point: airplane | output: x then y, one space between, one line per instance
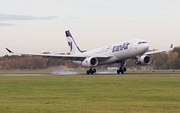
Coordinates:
114 53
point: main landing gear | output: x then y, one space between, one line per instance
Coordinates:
122 69
91 71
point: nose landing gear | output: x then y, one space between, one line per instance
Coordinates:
121 70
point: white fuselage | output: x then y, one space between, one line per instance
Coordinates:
119 51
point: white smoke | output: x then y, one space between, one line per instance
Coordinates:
71 72
106 73
64 72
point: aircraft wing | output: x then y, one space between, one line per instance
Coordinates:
63 57
159 51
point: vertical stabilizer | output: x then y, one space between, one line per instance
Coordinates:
72 44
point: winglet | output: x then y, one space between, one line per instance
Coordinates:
171 46
9 50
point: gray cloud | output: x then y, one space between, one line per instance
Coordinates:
5 17
6 24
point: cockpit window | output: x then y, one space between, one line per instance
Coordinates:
142 42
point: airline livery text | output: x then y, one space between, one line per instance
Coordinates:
117 48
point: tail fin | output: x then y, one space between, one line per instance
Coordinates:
72 44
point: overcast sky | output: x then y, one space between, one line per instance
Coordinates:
39 25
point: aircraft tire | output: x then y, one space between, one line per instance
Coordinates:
118 71
122 72
94 70
87 72
124 69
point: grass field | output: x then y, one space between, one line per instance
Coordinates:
153 71
89 94
25 71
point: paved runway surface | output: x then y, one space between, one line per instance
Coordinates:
97 74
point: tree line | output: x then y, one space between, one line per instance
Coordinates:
30 62
165 60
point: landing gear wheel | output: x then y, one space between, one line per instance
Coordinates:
94 70
118 71
121 70
124 69
91 71
87 72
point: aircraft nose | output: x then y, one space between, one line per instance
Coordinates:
146 46
143 47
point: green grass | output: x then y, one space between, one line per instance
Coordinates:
25 71
153 71
89 94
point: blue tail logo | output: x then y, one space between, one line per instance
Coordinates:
70 45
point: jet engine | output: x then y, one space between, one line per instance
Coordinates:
143 60
90 62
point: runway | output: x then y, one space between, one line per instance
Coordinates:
97 74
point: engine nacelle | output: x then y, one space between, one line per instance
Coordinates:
90 62
143 60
